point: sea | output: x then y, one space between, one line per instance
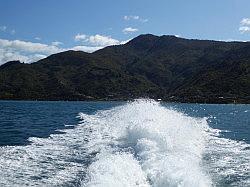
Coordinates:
139 143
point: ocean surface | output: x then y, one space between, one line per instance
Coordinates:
124 144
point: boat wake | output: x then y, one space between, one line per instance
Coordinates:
140 143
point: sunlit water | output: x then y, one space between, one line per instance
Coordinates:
141 143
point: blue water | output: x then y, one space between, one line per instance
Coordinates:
23 119
233 120
48 144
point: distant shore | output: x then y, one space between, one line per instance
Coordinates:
172 100
159 67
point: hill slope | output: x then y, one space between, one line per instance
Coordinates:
167 67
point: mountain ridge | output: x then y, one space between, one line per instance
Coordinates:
167 67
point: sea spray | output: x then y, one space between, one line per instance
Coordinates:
163 145
140 143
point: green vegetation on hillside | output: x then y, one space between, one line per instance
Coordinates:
166 67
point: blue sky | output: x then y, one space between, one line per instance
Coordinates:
33 29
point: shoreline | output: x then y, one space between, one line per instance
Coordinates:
191 101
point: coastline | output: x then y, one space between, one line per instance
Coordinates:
187 101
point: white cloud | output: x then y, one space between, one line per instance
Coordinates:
244 25
133 17
125 41
233 40
8 55
245 21
244 29
33 51
88 49
96 40
99 40
25 51
36 57
80 37
38 38
56 43
3 28
129 30
28 46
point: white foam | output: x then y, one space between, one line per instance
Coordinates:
119 169
167 144
138 144
228 161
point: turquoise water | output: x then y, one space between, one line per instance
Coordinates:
94 144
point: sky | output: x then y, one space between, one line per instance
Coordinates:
33 29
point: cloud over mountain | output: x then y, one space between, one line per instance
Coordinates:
244 25
129 30
96 40
28 52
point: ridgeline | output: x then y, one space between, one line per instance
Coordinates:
166 67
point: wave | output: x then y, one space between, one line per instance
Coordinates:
158 146
140 143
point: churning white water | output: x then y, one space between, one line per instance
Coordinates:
140 143
145 144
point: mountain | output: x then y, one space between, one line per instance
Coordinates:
166 67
